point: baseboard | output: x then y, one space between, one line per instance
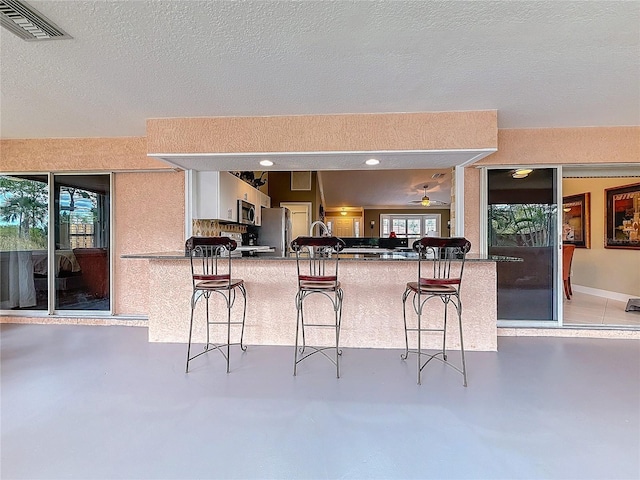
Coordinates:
621 297
107 320
587 331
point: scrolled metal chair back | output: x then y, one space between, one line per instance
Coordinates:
210 258
441 260
317 257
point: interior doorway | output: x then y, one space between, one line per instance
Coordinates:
603 279
345 226
300 217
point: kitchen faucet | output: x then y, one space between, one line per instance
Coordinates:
324 230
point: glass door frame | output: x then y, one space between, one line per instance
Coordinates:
484 245
52 245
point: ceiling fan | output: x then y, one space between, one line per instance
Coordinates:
425 201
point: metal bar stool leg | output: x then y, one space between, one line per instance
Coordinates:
419 355
302 333
207 295
229 303
295 351
404 317
337 348
464 365
243 347
338 324
190 333
444 329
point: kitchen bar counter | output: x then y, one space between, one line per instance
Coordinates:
372 313
368 254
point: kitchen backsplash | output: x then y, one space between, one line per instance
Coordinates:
212 228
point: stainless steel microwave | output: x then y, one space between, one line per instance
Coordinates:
246 213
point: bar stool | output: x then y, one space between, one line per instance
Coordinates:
440 267
211 273
317 262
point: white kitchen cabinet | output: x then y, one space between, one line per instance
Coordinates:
205 194
228 197
215 196
262 201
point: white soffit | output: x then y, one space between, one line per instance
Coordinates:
423 159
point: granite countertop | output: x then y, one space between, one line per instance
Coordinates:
385 256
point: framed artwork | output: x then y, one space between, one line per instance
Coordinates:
576 220
622 221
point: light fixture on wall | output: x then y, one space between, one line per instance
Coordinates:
372 161
342 212
266 163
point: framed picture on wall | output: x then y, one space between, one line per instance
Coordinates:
576 220
622 222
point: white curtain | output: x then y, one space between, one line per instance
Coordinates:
17 271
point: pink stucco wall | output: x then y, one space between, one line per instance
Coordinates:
149 217
149 206
551 146
148 200
318 133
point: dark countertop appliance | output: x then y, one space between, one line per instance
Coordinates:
375 242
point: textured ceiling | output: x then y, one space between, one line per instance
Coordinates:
539 64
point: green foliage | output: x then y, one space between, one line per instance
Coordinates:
530 225
11 241
25 203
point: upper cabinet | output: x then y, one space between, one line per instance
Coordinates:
262 201
215 196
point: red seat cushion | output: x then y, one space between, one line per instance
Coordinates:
431 289
218 284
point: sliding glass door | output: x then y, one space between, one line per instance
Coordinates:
81 217
55 242
522 214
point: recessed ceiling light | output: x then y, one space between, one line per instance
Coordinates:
266 163
372 161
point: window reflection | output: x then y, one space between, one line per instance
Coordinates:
80 267
24 208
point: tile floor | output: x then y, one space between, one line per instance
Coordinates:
585 309
90 402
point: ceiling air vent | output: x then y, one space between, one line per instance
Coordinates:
27 23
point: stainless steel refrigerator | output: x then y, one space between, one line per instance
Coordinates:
275 230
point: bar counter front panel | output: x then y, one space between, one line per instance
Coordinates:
372 309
